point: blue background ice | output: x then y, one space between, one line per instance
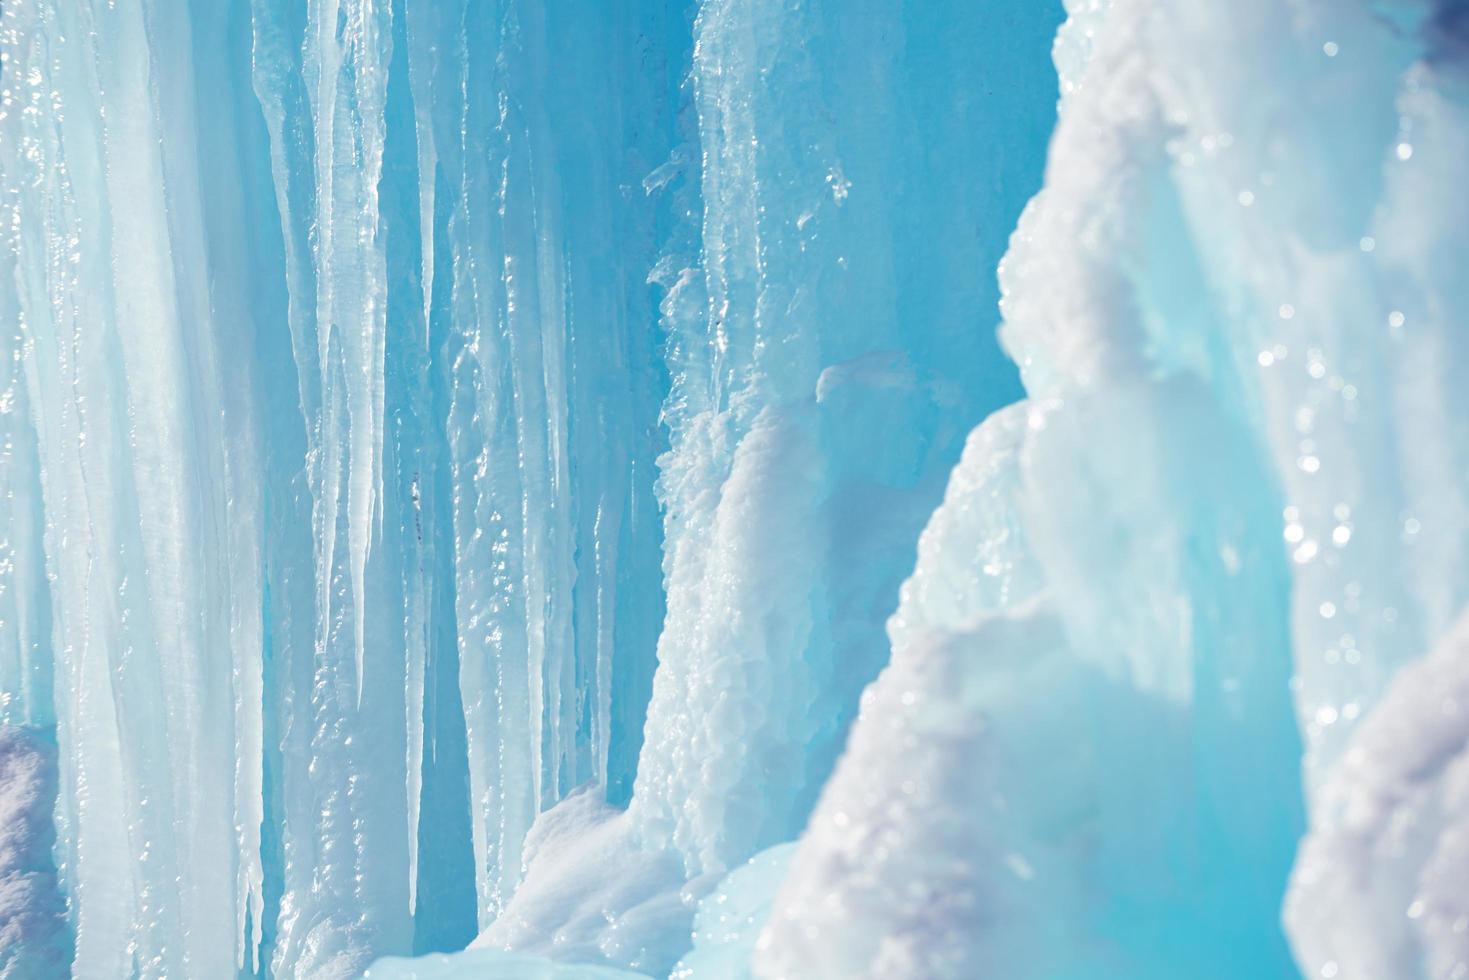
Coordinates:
738 488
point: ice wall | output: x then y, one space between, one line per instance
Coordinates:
460 461
810 428
828 355
343 431
149 511
329 455
1237 474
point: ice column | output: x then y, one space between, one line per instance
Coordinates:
146 473
531 133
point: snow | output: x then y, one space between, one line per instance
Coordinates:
1375 890
34 935
489 963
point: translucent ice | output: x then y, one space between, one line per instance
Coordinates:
1219 494
730 920
537 480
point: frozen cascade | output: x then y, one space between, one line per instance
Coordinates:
460 461
148 521
1209 303
803 412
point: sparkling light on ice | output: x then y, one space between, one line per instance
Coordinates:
727 489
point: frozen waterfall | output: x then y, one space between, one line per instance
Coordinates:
731 489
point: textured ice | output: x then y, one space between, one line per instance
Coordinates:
1376 891
489 963
731 919
593 893
1209 303
537 481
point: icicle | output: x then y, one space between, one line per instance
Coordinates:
55 294
415 431
25 629
514 546
489 512
421 72
343 837
149 530
416 626
351 291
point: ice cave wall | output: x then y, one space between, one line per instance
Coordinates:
459 458
391 386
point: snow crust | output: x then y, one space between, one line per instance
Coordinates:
489 963
34 936
1376 886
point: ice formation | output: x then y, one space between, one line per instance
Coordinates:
542 477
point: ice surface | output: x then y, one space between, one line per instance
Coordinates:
490 963
462 463
730 919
